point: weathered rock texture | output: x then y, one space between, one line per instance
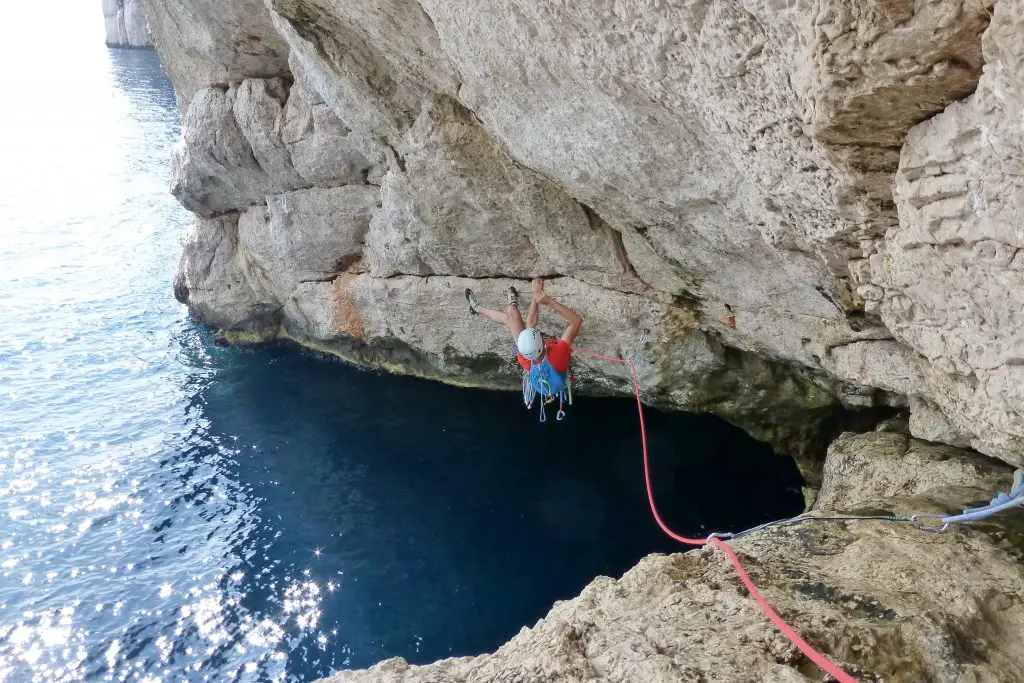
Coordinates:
813 205
126 23
356 165
948 277
882 600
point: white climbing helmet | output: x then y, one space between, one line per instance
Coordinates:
530 343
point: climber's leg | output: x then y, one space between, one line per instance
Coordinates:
515 320
510 317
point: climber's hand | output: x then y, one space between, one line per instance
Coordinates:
538 291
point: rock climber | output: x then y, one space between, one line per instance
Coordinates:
545 362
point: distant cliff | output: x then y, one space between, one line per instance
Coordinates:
126 23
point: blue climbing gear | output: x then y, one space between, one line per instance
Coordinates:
1003 501
543 380
546 380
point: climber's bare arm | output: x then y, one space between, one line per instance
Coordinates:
571 316
533 317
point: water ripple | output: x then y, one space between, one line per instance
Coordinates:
171 510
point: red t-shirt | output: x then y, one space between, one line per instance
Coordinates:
558 354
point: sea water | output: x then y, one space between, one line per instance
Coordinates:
174 510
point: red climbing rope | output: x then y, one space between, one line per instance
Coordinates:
787 631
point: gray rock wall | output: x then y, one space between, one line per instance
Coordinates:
813 205
840 176
946 280
126 23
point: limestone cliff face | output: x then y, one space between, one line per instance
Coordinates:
125 23
812 205
884 601
843 177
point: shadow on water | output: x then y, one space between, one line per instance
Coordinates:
445 519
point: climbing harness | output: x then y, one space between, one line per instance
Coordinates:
546 392
543 380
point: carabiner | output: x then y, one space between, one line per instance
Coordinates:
639 345
927 527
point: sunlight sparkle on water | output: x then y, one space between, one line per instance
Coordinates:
96 377
160 495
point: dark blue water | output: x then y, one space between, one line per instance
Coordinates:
174 510
454 516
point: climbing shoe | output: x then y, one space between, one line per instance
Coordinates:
512 296
474 305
